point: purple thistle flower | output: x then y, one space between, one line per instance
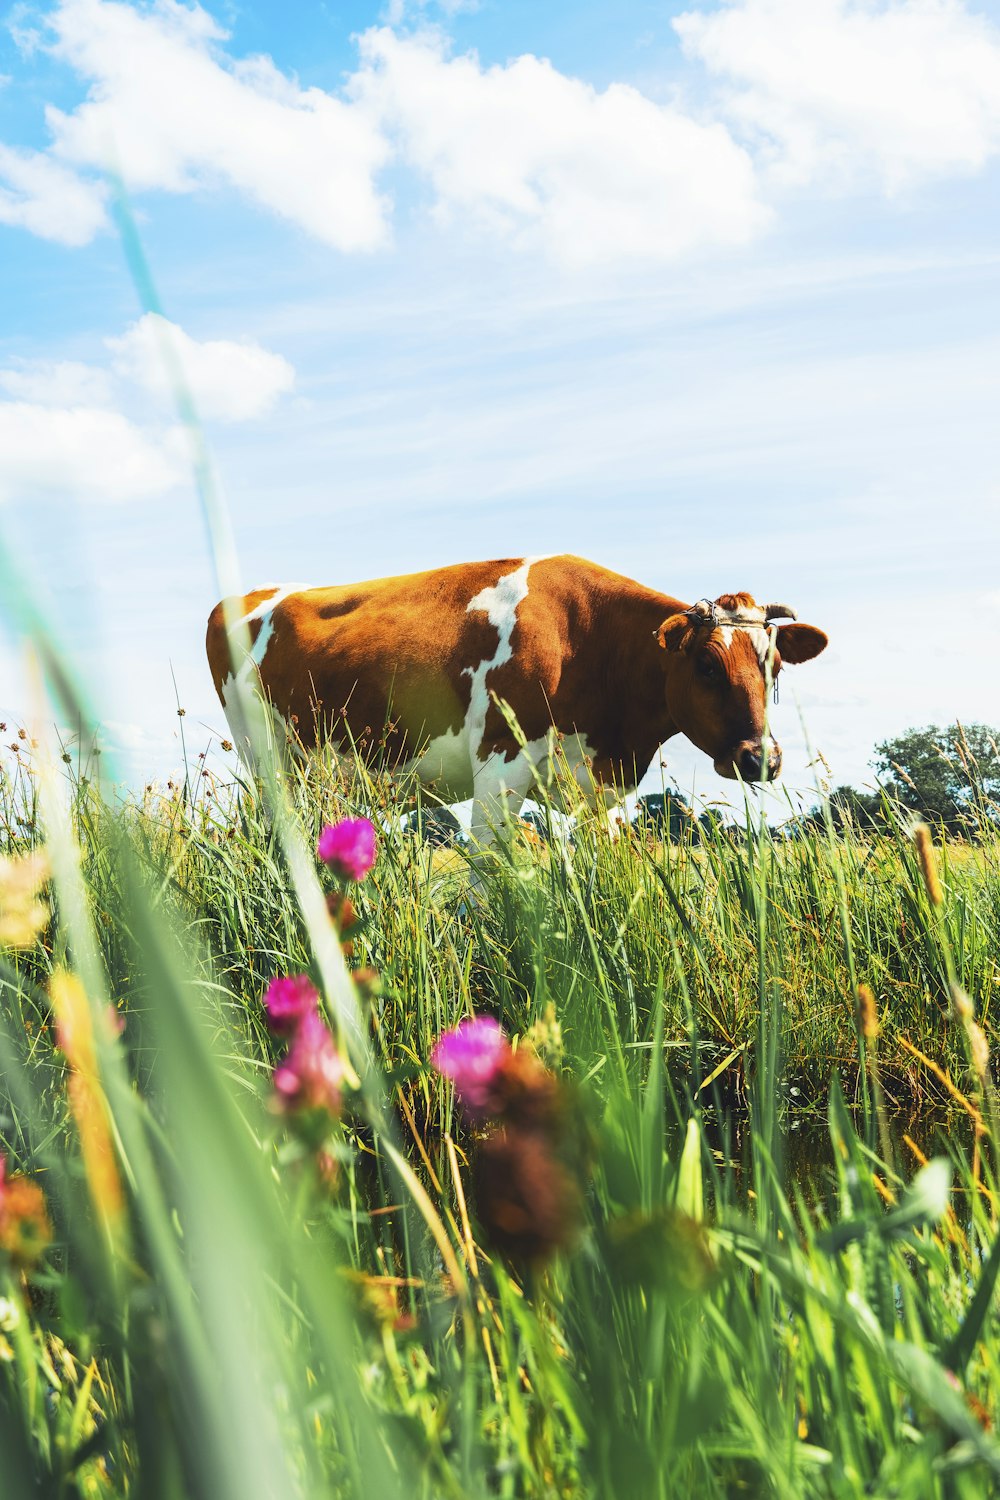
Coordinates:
348 847
472 1056
312 1071
288 1000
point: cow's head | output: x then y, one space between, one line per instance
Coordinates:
716 655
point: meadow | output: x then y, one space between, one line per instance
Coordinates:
714 1214
746 1244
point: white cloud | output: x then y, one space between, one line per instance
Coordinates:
56 382
85 451
63 432
46 198
21 21
543 158
539 157
902 90
170 111
229 381
825 92
398 11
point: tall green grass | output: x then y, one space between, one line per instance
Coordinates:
721 1326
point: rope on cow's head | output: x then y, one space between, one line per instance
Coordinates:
706 612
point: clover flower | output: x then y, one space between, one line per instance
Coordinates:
472 1056
312 1071
526 1186
348 847
287 1000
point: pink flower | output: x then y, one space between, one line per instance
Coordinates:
312 1071
287 1000
348 847
472 1056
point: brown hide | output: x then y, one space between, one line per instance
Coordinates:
391 659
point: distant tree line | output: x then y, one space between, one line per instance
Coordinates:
948 777
670 818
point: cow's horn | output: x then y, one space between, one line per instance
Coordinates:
779 612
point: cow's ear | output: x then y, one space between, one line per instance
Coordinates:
800 642
675 633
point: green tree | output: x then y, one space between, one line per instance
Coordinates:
666 816
949 776
852 808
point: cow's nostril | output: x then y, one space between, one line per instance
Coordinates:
750 764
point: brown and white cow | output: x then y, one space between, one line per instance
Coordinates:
414 665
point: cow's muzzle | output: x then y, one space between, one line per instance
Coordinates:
747 761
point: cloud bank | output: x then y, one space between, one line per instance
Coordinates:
546 160
91 452
229 381
848 90
832 93
172 112
64 431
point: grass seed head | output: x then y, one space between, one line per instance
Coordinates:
867 1013
925 852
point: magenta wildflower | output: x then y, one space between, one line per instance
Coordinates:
348 847
287 1000
472 1056
312 1071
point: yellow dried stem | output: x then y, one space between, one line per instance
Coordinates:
944 1078
75 1033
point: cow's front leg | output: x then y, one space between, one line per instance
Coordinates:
499 788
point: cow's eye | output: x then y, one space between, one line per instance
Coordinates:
708 668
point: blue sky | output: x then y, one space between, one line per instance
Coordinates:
706 292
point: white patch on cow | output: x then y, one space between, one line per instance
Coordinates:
500 603
500 784
758 635
453 763
243 686
264 612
